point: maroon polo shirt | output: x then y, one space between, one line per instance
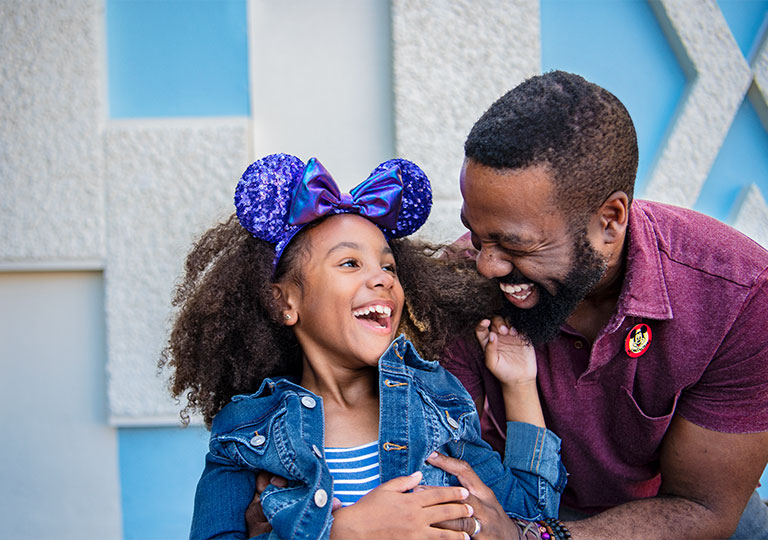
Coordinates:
701 289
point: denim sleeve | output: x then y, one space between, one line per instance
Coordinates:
535 453
529 482
223 494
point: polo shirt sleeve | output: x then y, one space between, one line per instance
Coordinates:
732 394
465 360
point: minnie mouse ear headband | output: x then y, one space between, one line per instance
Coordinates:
278 195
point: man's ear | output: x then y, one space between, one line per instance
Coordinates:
286 297
613 218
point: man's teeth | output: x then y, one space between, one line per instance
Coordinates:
378 311
520 292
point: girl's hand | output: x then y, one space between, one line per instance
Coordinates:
388 512
513 361
507 354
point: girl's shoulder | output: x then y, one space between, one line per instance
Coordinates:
246 410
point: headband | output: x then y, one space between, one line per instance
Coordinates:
279 195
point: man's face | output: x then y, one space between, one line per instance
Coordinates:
544 268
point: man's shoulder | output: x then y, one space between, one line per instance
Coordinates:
698 242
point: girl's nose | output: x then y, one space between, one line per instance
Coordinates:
382 278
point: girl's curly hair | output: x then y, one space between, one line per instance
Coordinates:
228 335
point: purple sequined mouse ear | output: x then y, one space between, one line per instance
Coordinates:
417 197
263 198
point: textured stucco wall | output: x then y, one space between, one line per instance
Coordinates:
52 203
167 181
719 80
452 59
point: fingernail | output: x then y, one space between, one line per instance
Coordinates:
417 474
503 329
466 536
432 455
464 494
492 337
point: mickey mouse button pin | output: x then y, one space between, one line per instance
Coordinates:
638 340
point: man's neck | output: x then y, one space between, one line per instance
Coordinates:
597 308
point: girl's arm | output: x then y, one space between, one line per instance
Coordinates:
531 478
512 360
223 494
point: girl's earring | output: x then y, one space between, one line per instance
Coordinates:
287 316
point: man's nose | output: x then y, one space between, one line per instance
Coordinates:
491 265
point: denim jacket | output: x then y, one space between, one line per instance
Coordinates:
422 408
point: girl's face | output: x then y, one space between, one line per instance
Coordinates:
352 300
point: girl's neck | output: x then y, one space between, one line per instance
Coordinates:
338 385
350 402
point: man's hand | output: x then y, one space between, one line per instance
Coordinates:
254 515
494 522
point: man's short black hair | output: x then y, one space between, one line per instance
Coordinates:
580 130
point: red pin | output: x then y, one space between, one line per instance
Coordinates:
638 340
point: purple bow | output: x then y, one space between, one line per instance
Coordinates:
378 198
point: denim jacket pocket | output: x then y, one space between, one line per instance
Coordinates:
450 416
636 435
253 445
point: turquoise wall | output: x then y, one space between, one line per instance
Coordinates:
172 58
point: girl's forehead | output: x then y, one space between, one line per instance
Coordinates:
344 233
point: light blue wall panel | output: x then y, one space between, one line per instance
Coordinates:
177 58
746 18
621 47
159 469
742 160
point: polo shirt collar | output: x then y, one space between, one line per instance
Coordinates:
645 292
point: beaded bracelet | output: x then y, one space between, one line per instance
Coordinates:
556 530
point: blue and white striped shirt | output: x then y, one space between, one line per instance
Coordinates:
355 471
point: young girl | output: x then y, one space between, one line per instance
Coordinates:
287 342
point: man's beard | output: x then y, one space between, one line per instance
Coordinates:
542 322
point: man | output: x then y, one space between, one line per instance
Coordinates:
650 322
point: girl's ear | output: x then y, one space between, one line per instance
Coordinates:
286 296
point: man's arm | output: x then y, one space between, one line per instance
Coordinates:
707 478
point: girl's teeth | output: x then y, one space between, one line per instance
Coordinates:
383 310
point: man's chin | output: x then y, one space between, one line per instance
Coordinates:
539 324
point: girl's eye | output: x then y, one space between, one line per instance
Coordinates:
390 268
350 263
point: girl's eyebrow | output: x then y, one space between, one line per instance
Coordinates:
353 245
342 245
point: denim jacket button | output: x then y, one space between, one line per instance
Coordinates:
309 402
453 423
317 451
321 497
258 440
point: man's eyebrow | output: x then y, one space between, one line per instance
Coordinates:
499 237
